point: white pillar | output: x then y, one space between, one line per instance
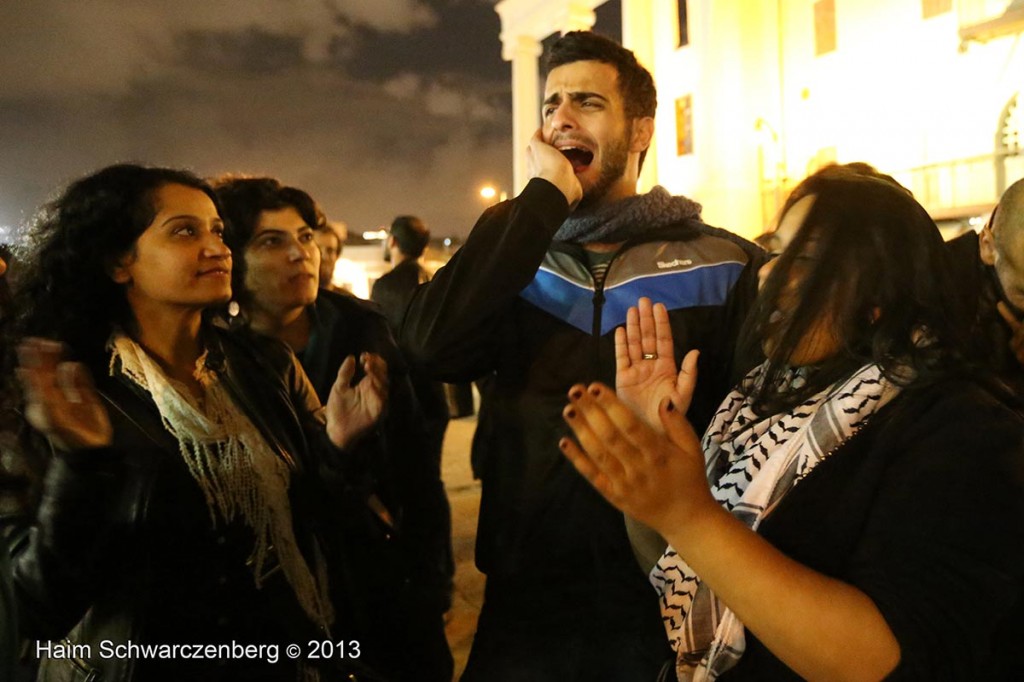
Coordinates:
576 16
523 51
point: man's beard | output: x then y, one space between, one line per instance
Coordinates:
613 166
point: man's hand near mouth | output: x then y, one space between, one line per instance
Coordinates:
548 163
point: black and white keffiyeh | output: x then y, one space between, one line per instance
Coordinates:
752 462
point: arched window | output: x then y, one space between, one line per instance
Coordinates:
1009 157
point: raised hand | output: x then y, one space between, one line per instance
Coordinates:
1016 328
546 162
645 371
656 478
60 399
353 410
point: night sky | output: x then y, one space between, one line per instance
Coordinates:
376 107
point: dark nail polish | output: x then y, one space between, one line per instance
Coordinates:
570 413
595 391
576 394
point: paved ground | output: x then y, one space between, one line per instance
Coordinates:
464 496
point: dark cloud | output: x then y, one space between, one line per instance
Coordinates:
266 87
254 50
465 39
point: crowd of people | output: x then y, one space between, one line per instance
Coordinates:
211 455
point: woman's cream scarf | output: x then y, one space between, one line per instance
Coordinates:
239 474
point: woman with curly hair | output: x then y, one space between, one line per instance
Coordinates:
184 501
8 610
856 508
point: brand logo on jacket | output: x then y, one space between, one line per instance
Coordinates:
664 265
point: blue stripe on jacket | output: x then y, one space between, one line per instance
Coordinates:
572 302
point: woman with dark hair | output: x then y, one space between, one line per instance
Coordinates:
276 283
183 505
856 508
8 488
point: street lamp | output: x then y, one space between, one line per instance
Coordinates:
489 193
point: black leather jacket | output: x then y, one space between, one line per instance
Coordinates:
122 547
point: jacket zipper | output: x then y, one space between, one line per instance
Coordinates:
598 302
81 664
596 328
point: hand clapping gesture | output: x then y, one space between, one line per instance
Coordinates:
60 399
645 372
657 478
353 410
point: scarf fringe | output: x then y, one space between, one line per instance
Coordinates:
238 473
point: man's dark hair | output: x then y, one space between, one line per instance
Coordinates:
411 235
636 85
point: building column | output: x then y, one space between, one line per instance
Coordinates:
576 16
523 51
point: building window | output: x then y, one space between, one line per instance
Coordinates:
931 8
824 26
684 125
608 19
684 27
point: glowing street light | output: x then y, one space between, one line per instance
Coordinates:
489 193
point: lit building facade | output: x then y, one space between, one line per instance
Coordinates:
756 94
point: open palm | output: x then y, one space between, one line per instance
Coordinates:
60 399
645 370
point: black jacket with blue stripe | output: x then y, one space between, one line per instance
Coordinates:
515 303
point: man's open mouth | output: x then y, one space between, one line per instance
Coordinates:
579 158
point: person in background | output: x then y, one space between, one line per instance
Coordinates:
190 495
407 240
856 508
330 237
275 279
990 268
406 243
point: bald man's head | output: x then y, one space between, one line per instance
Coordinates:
1002 243
1008 221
